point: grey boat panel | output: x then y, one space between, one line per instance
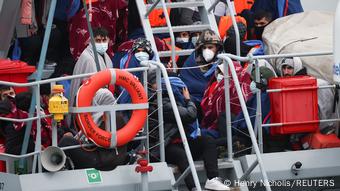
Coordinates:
315 163
9 182
123 178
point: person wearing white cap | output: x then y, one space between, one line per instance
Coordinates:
291 66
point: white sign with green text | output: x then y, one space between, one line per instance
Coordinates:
93 176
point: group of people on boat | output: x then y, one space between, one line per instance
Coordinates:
197 82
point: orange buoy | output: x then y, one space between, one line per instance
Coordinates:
84 99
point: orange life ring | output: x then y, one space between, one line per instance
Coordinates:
84 99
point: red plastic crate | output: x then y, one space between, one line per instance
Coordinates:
296 106
15 71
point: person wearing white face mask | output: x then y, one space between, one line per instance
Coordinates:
204 58
142 56
102 47
183 38
86 62
209 52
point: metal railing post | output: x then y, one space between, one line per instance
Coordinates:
37 158
36 93
237 33
227 111
146 126
247 118
258 109
172 37
179 123
160 115
213 5
151 8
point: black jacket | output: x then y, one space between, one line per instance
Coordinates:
13 138
187 112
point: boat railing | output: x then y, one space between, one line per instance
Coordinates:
257 144
109 110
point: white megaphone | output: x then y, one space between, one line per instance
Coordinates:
53 159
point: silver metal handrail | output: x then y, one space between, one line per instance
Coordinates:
47 81
161 67
38 116
229 63
172 36
151 8
237 32
251 57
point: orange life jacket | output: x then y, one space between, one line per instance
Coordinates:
225 23
240 5
157 18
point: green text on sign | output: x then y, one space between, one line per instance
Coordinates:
93 176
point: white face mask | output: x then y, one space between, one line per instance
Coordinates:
182 40
142 56
102 47
219 77
194 40
208 55
253 87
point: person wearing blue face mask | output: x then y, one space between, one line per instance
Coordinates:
141 51
194 37
86 62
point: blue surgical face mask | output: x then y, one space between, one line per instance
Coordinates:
194 40
142 56
101 47
253 87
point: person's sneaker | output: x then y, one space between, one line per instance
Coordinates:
216 184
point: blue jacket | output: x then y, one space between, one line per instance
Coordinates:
195 79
